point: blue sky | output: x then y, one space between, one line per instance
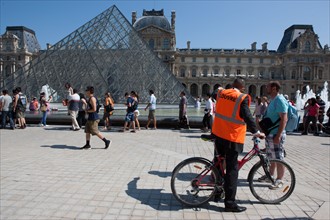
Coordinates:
207 24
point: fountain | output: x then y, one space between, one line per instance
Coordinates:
301 100
324 95
49 91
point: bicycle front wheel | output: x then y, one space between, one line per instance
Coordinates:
272 182
193 181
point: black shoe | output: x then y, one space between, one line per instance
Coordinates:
235 209
76 129
304 133
86 147
107 144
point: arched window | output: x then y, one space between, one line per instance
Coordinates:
263 91
216 72
182 73
166 43
205 89
307 73
227 73
307 46
204 72
194 90
320 74
8 70
252 91
193 72
152 43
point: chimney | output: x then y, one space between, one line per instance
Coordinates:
254 46
173 20
188 45
264 46
133 17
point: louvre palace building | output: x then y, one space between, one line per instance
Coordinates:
299 60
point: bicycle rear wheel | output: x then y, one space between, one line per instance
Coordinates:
267 190
193 181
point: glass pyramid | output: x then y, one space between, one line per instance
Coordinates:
106 53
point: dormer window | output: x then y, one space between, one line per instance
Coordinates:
307 46
166 43
152 43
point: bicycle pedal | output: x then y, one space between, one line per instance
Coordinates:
219 195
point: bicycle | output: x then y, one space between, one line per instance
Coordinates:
197 180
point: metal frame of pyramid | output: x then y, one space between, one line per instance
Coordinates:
106 53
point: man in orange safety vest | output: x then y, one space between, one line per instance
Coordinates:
232 116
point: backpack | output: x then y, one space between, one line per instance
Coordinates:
98 105
293 118
21 103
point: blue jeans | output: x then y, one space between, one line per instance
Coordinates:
44 117
4 117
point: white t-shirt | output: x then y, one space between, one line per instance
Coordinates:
5 102
209 106
152 102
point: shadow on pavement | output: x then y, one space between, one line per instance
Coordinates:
58 128
62 146
159 200
162 174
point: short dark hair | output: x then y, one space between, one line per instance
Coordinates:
90 89
208 94
183 93
75 90
5 91
275 84
126 94
239 83
151 91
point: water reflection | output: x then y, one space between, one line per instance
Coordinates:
120 109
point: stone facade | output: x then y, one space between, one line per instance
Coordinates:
18 46
299 61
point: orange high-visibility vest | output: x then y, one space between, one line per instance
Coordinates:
227 122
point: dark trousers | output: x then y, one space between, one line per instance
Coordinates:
8 114
230 150
207 121
81 118
312 119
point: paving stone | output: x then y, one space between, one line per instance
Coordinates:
49 178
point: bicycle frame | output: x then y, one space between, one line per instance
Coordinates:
218 159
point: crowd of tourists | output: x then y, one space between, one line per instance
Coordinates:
227 116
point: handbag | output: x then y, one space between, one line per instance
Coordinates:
109 108
43 108
267 125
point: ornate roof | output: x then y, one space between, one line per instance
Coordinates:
152 18
26 37
289 40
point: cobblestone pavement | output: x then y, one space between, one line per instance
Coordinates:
44 175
